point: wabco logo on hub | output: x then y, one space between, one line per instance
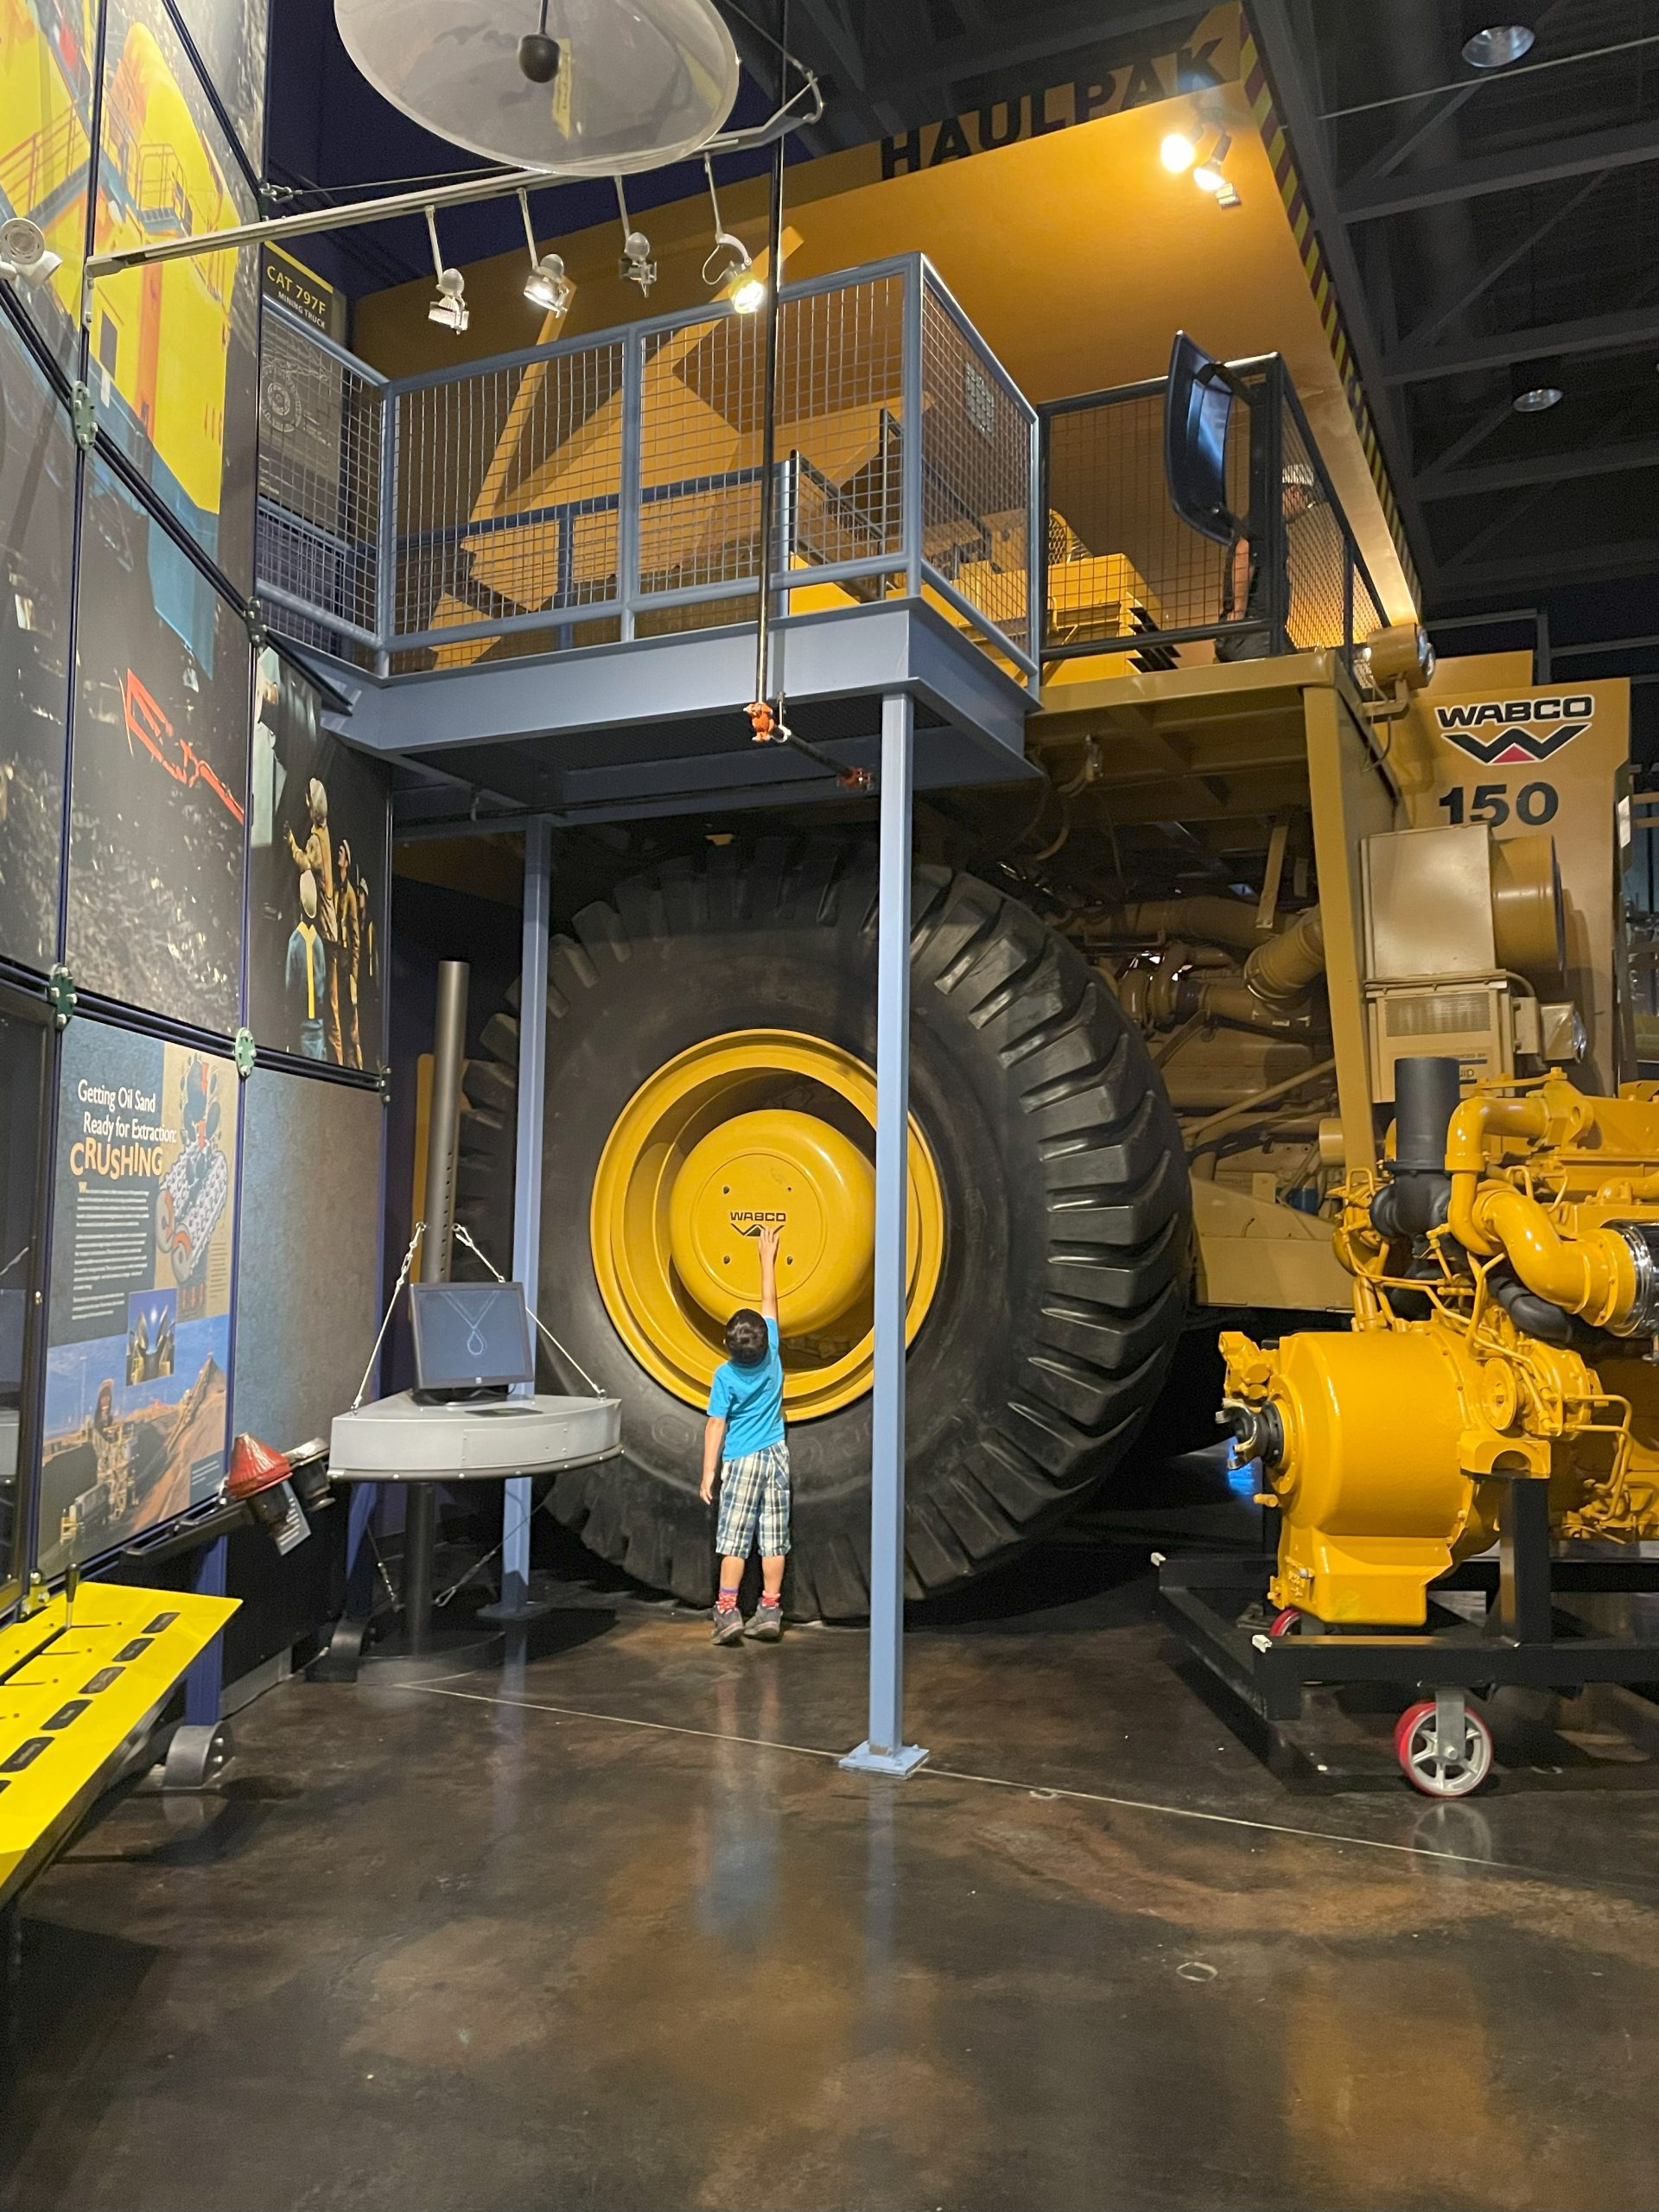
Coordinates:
1493 731
748 1220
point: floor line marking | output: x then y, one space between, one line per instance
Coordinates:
620 1720
1003 1782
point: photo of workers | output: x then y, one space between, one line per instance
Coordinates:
318 864
37 512
46 58
158 796
139 1307
175 347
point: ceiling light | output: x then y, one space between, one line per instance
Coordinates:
729 265
1210 176
1535 386
547 286
24 253
449 308
1494 46
1178 152
636 266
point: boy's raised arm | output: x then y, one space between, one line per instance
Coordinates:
770 1237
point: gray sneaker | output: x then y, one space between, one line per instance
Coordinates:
765 1624
728 1625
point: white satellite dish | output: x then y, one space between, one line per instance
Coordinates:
584 87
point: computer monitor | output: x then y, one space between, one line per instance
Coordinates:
470 1336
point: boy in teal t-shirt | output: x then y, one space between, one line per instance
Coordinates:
743 1445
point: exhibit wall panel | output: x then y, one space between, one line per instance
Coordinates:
307 1276
174 354
139 1307
319 869
25 1107
158 788
37 527
230 38
48 52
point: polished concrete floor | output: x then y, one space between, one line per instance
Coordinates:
604 1926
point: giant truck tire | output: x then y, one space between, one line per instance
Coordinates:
716 1019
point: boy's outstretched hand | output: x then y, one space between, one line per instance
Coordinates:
771 1237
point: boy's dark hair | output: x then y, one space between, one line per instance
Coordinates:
746 1337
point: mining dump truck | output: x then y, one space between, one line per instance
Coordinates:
1158 995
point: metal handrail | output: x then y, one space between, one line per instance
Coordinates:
1269 370
366 543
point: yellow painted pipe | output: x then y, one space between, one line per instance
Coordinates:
1591 1275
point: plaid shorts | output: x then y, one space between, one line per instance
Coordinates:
754 1504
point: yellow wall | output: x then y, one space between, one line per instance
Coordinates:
1076 254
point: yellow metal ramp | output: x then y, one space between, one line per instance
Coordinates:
76 1685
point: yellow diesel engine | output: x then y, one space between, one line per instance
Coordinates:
1506 1326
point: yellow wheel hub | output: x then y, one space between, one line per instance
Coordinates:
759 1125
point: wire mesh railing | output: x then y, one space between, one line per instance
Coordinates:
321 421
1124 574
610 486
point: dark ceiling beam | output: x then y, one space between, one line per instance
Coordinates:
1480 430
1489 273
1581 564
830 21
1614 458
1441 106
1600 150
1593 333
1006 52
1283 47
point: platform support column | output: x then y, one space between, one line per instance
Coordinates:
515 1603
884 1750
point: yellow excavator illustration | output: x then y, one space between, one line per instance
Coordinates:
159 336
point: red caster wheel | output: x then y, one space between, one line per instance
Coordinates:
1427 1766
1286 1622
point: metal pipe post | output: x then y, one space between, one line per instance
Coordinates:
515 1603
443 1135
769 424
884 1750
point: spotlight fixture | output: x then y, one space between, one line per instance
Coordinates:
1487 45
449 308
547 286
636 266
1178 153
729 266
1535 386
1210 175
25 256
